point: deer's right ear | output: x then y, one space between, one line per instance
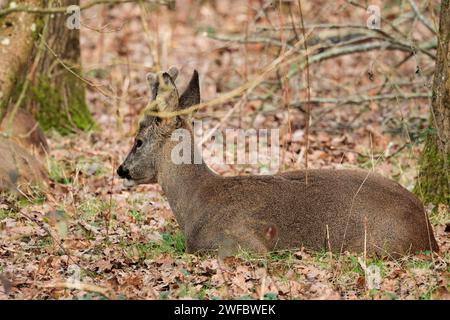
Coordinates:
153 83
190 96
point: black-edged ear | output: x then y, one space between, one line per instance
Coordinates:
190 96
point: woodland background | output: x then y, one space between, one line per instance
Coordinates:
370 97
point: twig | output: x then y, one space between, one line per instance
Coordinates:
386 45
378 155
247 40
351 206
59 10
361 99
350 210
373 34
358 5
317 26
108 214
152 40
328 242
224 119
385 42
308 94
81 78
365 239
419 15
284 82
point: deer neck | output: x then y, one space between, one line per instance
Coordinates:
180 182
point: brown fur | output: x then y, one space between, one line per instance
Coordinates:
22 150
338 209
26 132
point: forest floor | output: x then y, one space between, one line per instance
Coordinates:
89 237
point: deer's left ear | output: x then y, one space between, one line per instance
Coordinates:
190 96
152 79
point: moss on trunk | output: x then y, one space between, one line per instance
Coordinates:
61 106
433 181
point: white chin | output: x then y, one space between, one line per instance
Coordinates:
128 183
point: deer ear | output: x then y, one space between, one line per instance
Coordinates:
153 83
190 96
154 80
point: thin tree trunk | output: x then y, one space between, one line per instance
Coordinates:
433 180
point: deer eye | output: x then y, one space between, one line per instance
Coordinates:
139 143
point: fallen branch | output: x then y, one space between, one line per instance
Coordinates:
247 40
383 42
387 45
59 10
361 99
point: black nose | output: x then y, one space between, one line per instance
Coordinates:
123 172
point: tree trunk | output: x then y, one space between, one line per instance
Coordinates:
38 65
433 180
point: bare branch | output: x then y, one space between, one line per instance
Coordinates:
362 99
421 17
59 10
387 43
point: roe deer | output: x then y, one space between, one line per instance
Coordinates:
22 150
337 210
26 132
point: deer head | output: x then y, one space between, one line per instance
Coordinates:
141 164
